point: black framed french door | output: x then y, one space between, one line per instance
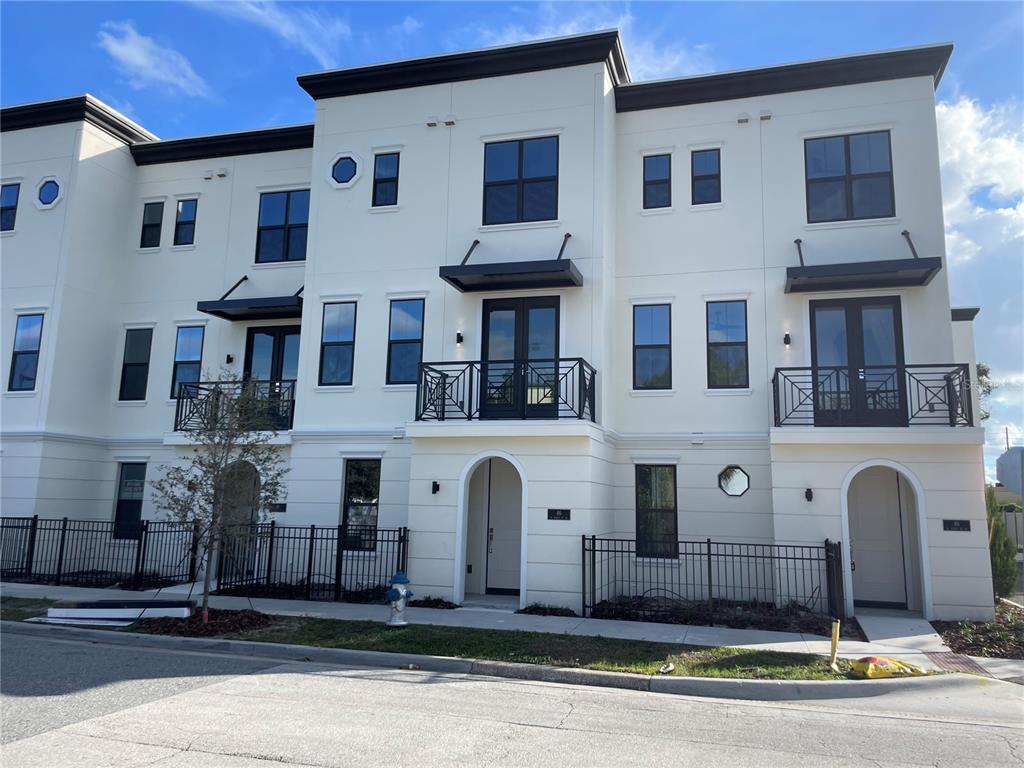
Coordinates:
272 353
857 361
519 358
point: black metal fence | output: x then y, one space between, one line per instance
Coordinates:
256 405
561 388
306 563
873 396
705 581
92 553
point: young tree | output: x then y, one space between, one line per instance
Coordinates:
1002 553
233 473
985 388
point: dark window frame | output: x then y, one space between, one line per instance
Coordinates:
347 540
177 363
520 181
325 344
385 179
131 529
648 549
6 208
667 346
657 182
423 319
286 228
179 222
745 344
158 226
16 354
848 178
127 366
695 177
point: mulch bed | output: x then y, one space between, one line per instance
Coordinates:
221 622
1001 638
432 602
539 609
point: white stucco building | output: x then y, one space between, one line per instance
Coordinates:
510 298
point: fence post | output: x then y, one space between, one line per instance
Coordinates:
30 554
309 563
403 548
711 599
337 563
593 572
193 554
270 552
140 555
60 549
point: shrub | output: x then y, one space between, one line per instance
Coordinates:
1002 553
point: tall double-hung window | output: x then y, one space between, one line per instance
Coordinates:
521 180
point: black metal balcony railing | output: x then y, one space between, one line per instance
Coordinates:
254 405
562 388
873 396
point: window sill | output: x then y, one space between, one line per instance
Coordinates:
651 392
8 233
334 388
130 403
19 393
888 222
399 387
278 264
188 247
707 206
519 225
726 391
383 208
657 211
157 249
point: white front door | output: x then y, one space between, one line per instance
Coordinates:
876 539
504 528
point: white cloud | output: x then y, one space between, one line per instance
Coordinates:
649 58
407 26
146 63
318 34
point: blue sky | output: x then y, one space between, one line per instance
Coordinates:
195 67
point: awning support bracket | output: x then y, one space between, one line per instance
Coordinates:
232 288
469 253
800 250
906 235
565 241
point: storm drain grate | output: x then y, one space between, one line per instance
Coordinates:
956 662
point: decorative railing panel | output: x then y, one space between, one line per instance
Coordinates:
258 405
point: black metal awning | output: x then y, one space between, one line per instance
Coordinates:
888 273
258 308
512 275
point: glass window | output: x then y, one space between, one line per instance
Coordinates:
521 180
28 334
405 341
361 503
188 358
131 486
656 515
152 219
337 343
733 481
8 206
657 181
185 222
727 345
282 227
385 179
135 366
343 170
48 192
849 177
706 177
652 346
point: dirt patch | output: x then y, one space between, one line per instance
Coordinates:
1002 637
432 602
539 609
221 623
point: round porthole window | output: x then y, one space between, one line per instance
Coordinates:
733 481
343 170
49 191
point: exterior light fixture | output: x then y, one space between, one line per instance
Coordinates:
458 337
434 486
809 494
787 339
229 359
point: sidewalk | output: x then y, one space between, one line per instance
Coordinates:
911 649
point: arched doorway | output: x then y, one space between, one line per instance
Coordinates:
241 543
491 529
885 544
240 491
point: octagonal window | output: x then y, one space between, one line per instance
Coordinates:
734 481
48 192
343 170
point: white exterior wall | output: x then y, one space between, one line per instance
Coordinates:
81 263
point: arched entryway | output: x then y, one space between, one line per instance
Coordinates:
240 491
885 539
241 545
491 529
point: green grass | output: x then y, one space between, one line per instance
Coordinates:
21 608
543 648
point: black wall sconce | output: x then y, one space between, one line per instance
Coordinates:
458 337
229 359
787 339
809 494
435 486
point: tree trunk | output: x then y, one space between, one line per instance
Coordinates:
211 549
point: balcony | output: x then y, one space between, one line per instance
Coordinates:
562 388
248 405
874 396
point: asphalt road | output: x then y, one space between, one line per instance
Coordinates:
69 703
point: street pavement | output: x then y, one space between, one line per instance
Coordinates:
71 703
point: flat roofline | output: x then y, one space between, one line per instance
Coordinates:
919 61
518 58
224 144
74 109
960 314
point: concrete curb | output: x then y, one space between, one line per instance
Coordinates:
718 688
